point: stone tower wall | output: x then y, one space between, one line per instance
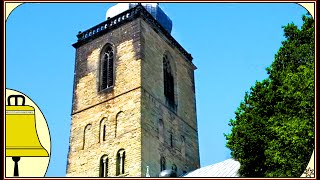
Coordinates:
119 109
181 122
131 111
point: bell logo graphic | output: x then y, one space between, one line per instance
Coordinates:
27 137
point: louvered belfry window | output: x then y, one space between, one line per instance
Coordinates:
168 82
107 68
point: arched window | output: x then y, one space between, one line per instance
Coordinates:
102 130
168 82
120 127
120 162
104 162
85 135
107 68
162 163
161 130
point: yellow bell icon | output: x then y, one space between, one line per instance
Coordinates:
21 134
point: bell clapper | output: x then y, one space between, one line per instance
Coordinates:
16 169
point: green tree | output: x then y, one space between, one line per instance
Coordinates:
272 133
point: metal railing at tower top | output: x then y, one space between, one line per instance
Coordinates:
109 24
122 18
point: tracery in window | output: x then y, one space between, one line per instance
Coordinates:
107 68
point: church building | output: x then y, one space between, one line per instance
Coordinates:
134 105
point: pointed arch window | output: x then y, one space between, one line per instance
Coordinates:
104 162
168 82
107 68
120 162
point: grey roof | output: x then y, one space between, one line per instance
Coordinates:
227 168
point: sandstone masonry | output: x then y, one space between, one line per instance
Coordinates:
134 115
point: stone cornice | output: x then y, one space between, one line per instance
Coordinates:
125 17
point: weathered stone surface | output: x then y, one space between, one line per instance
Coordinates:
132 109
180 123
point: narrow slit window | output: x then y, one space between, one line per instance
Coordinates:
102 130
104 133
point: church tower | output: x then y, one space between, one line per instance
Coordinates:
134 98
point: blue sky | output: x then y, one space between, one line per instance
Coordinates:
231 43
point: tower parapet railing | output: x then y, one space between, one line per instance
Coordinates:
109 24
122 18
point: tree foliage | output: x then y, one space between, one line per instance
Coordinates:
273 130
